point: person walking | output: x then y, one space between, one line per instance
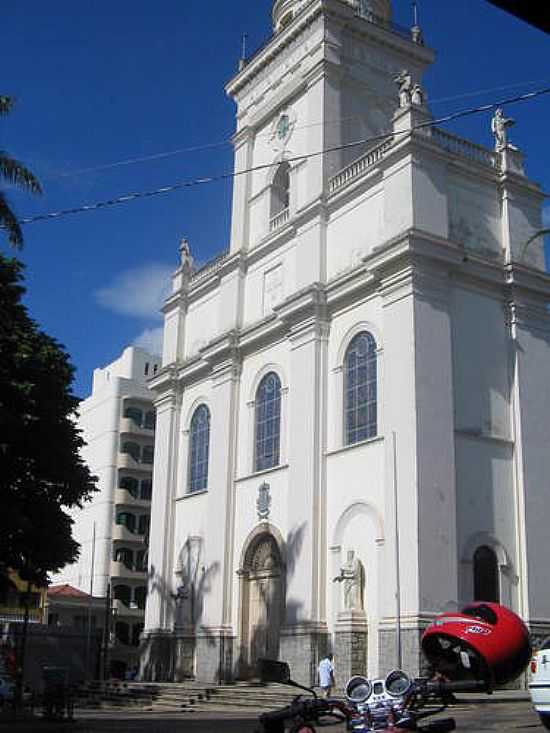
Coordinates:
326 675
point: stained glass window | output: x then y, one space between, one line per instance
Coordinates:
198 451
268 423
360 389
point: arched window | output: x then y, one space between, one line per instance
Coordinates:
137 630
267 437
280 190
199 443
143 524
360 389
486 585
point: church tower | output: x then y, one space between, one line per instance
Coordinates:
350 406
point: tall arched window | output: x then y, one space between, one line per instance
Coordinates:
360 389
486 585
267 438
198 449
280 190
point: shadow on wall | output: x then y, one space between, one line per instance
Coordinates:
168 654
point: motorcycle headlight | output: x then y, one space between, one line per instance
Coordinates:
358 689
398 683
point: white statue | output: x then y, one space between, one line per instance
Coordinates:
499 128
418 95
186 258
352 575
405 86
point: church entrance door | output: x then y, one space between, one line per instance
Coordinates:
263 602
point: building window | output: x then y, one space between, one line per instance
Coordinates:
140 595
198 449
130 484
131 449
280 190
143 524
150 420
122 632
360 389
486 585
137 630
134 414
126 520
146 490
125 556
148 454
267 438
141 561
123 593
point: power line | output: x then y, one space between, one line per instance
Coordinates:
234 174
227 141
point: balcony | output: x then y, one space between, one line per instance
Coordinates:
119 570
131 427
279 220
123 534
124 611
127 499
125 460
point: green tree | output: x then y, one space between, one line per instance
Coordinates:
41 471
16 174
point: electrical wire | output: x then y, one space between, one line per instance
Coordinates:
234 174
228 140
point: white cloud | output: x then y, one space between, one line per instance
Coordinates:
151 340
138 292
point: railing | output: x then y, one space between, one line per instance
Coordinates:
279 220
362 11
210 267
464 148
359 166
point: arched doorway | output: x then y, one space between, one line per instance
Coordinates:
263 601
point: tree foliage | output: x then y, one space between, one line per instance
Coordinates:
41 471
16 174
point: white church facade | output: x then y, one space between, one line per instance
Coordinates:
353 409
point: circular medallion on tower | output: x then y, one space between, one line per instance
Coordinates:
281 129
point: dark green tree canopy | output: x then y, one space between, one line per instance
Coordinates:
41 471
15 173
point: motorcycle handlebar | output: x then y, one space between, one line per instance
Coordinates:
300 707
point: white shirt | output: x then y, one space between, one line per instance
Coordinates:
326 668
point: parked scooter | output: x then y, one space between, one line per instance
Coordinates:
484 646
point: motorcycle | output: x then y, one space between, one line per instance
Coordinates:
483 646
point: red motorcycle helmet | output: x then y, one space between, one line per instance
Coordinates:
485 641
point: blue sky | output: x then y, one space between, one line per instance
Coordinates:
101 83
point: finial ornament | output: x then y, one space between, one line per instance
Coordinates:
499 128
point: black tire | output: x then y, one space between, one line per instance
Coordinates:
545 720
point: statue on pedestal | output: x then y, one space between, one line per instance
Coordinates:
352 575
405 85
499 128
186 258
